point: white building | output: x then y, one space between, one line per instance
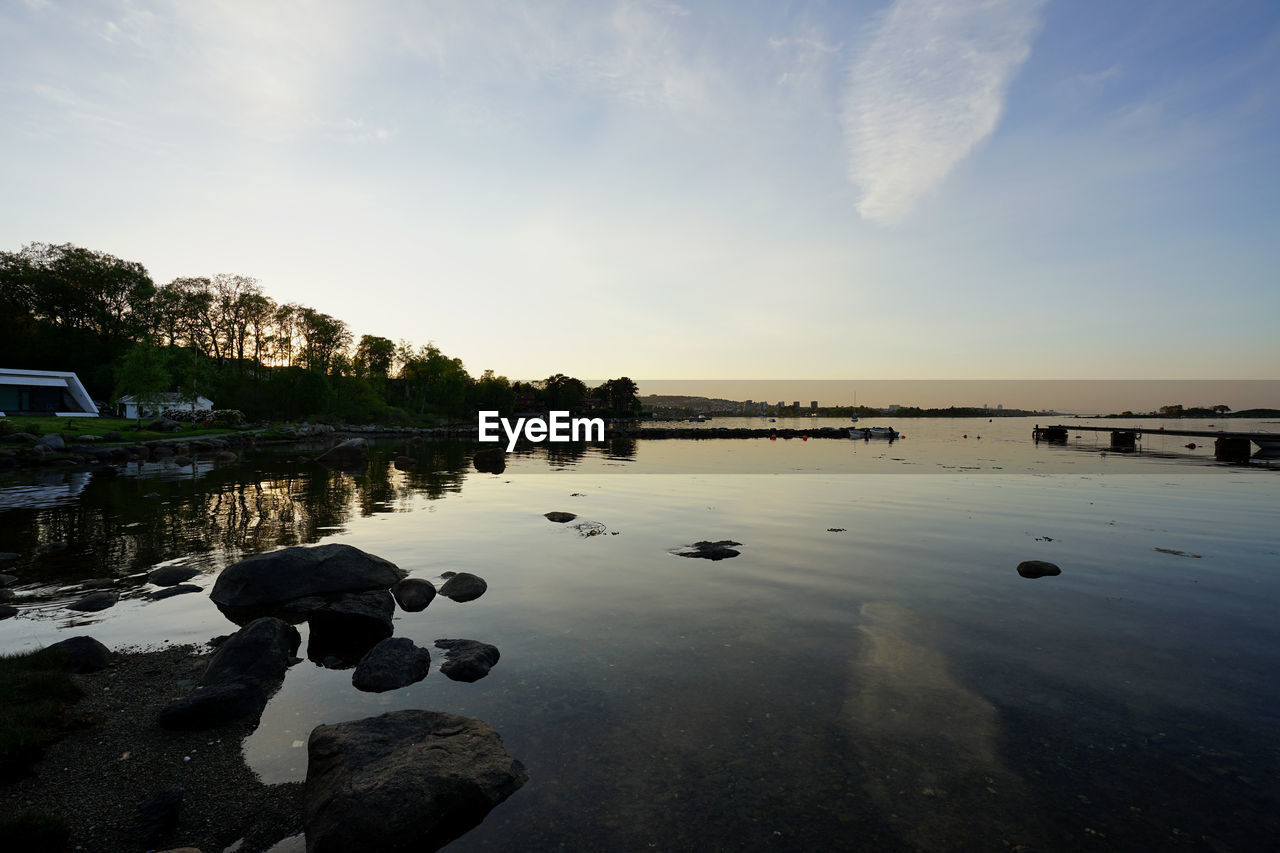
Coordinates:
44 392
157 403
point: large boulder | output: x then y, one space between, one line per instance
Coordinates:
53 441
84 654
94 601
259 652
277 577
350 454
407 780
394 663
345 629
467 660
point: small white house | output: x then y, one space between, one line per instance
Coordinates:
44 392
157 403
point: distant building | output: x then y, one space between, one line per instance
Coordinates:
781 405
893 407
44 392
813 405
129 406
999 407
796 405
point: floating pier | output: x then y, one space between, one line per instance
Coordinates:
1227 446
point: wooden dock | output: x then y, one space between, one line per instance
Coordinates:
1227 446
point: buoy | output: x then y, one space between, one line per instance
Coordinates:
966 435
773 438
1191 446
804 438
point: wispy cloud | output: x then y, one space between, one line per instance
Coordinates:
927 90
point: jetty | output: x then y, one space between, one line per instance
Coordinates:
1227 446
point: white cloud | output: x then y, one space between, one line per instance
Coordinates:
927 90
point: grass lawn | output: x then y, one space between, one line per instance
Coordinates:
97 426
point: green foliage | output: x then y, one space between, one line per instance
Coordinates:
142 374
8 427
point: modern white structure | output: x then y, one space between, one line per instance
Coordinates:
44 392
158 403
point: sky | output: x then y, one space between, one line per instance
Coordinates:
915 189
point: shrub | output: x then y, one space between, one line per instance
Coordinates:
7 427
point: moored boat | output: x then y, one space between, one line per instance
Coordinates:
873 432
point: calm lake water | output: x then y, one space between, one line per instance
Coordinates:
870 673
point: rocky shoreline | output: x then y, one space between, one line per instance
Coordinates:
97 777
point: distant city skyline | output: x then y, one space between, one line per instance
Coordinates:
890 188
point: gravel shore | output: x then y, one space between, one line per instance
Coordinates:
96 777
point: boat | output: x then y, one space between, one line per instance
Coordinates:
873 432
854 410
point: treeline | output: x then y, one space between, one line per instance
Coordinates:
63 307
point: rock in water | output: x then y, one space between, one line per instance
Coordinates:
347 628
408 780
467 660
464 586
722 550
84 654
393 663
1038 569
171 591
350 454
280 576
171 575
213 706
414 594
405 463
491 460
94 601
559 517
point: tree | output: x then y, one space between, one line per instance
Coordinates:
1222 408
564 392
374 356
323 339
142 374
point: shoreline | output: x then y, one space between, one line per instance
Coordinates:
95 777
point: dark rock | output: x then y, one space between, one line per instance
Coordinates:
8 580
51 547
164 425
1038 569
8 555
395 662
112 436
352 453
182 461
467 660
347 628
8 611
170 575
171 591
157 816
707 550
259 652
464 586
53 441
6 594
161 451
408 780
560 517
98 583
94 601
280 576
213 706
405 463
225 456
413 594
491 460
84 654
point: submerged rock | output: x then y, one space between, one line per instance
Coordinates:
84 654
171 575
414 594
405 463
345 629
395 662
94 601
560 517
467 660
408 780
464 586
707 550
171 591
352 453
1038 569
281 576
